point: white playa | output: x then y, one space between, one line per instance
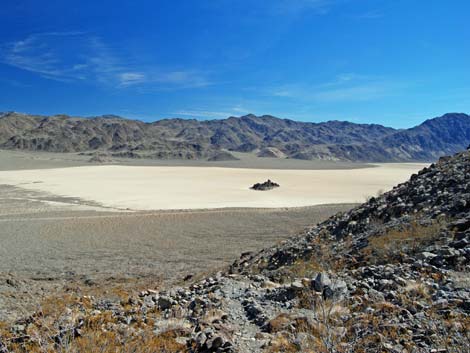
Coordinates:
164 188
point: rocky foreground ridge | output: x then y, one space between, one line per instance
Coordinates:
391 275
215 140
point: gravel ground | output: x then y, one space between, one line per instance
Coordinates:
49 243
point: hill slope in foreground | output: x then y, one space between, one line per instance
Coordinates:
391 275
213 140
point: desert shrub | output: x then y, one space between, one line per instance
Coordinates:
282 343
94 338
53 328
279 323
322 330
321 259
396 242
110 342
306 267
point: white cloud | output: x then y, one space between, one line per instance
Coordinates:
202 114
369 15
283 92
241 109
131 78
291 7
78 56
319 6
364 92
210 114
346 87
258 10
185 79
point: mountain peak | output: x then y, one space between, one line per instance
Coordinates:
248 116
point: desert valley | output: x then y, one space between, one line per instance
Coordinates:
90 223
137 215
249 176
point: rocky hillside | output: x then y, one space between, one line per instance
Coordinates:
266 136
391 275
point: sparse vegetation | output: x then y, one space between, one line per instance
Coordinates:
71 325
405 240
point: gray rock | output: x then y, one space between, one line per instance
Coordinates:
215 342
297 285
427 256
320 281
164 303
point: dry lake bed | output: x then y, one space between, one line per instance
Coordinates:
165 188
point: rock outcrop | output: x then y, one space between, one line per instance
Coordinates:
271 152
267 185
222 156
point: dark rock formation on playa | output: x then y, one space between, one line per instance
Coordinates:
267 185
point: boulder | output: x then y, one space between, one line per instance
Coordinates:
321 281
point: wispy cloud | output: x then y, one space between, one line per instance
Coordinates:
369 15
79 56
211 114
131 78
284 8
34 55
361 92
185 79
346 87
296 6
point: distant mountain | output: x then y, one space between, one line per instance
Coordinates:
266 136
432 139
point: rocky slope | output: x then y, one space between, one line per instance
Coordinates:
266 135
391 275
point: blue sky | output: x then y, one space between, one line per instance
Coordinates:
393 62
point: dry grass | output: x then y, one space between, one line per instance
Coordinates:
396 242
56 328
110 342
322 332
97 337
282 343
306 267
321 259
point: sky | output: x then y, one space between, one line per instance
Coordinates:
390 62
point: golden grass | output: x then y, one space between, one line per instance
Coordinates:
96 338
396 242
282 343
321 259
101 332
110 342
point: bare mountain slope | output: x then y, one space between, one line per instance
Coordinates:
192 139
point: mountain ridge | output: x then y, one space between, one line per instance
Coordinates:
177 138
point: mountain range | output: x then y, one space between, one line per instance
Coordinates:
266 136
